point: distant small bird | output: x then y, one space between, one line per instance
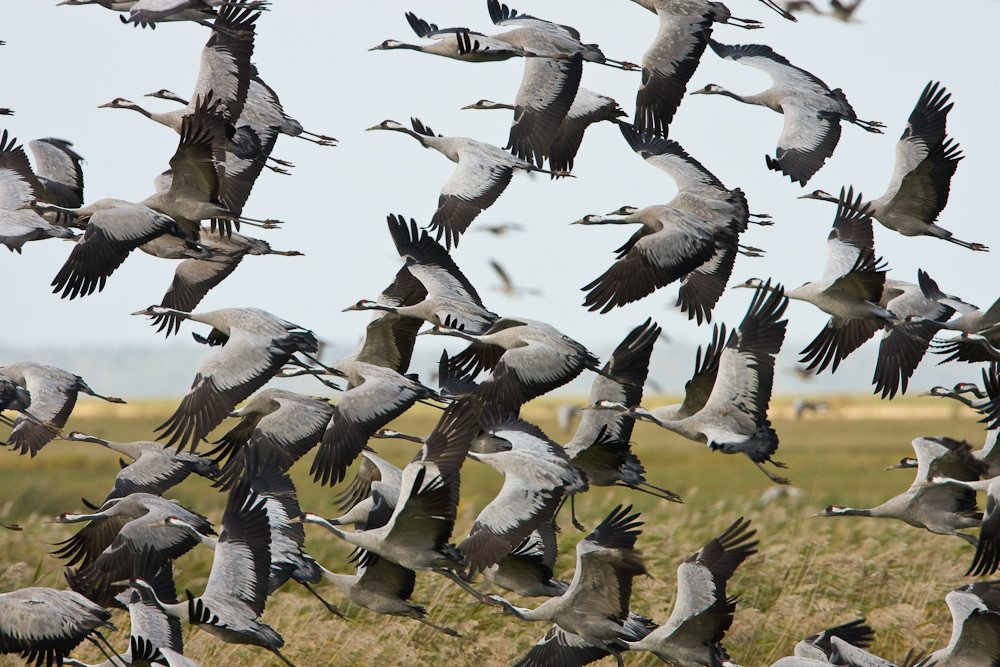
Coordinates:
507 285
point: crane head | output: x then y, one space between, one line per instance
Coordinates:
488 104
363 304
388 125
710 89
753 283
118 103
821 195
391 44
624 210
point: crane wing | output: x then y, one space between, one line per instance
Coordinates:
110 236
476 183
59 171
542 103
668 65
652 261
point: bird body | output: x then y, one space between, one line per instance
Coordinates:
595 606
744 382
812 111
256 344
702 611
527 358
155 468
668 64
537 475
442 292
938 508
975 628
44 624
921 176
483 173
53 393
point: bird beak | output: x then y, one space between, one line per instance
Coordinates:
296 519
142 312
433 330
102 106
581 221
373 127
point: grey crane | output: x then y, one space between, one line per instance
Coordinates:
483 173
150 630
537 476
276 429
117 533
670 61
384 587
435 288
694 237
59 171
543 37
702 611
19 189
549 85
236 592
600 447
164 224
987 558
986 404
587 108
374 491
196 276
812 111
53 394
147 13
842 11
416 533
921 178
224 70
825 647
377 392
528 570
733 417
903 345
44 624
594 609
940 509
526 358
262 119
288 559
851 289
255 345
155 467
975 627
980 329
455 43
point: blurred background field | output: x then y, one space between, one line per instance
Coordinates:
810 573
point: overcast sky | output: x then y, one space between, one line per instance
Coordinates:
60 63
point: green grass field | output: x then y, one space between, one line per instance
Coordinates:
810 573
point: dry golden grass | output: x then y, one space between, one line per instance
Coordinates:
809 573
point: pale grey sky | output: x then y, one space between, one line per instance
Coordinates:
60 63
